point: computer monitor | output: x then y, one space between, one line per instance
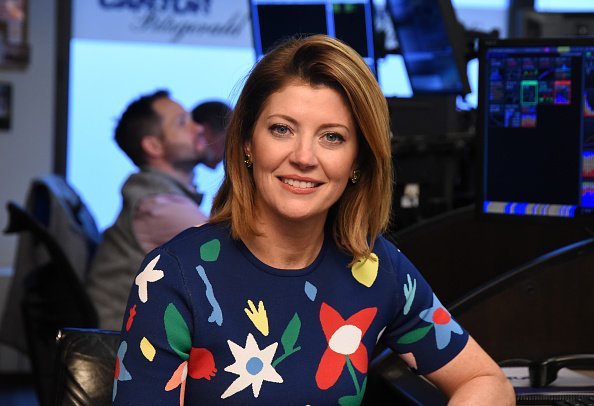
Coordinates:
564 6
534 24
432 44
536 127
347 20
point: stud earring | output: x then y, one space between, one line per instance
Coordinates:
356 176
247 160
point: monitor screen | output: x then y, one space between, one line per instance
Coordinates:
564 6
347 20
432 45
536 126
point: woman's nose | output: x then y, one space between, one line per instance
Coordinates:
304 153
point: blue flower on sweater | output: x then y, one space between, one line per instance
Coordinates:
121 373
442 321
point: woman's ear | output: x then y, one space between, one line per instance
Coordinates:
152 146
247 148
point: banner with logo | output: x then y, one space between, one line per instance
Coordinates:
190 22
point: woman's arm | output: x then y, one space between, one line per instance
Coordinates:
473 378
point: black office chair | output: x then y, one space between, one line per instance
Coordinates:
52 297
540 309
85 365
47 291
539 315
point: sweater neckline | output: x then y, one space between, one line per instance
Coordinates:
284 272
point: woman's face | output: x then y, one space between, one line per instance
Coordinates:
304 149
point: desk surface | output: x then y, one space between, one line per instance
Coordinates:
518 376
570 384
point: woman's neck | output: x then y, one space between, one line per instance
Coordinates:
292 246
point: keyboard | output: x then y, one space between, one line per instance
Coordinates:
556 398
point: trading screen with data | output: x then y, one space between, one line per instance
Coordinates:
536 101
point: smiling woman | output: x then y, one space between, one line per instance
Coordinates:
303 150
296 228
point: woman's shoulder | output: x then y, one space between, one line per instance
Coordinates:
197 237
390 255
385 246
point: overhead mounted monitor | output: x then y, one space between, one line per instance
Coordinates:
432 44
536 125
477 4
564 6
347 20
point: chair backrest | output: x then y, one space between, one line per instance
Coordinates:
57 238
85 366
54 227
541 309
533 312
458 252
57 206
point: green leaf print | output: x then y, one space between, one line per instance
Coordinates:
291 333
289 339
209 251
350 400
415 335
354 400
178 334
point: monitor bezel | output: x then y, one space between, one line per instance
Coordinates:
370 27
483 46
456 37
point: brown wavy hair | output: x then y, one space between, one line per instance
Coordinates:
363 211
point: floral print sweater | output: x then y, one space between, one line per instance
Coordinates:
208 323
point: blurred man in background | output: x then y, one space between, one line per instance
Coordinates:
158 201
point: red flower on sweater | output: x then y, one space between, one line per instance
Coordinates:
344 342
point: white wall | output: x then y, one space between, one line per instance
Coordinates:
26 150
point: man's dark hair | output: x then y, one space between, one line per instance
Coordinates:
214 114
139 120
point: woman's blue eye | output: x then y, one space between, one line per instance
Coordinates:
334 137
280 129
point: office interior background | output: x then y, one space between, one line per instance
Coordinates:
106 74
64 104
